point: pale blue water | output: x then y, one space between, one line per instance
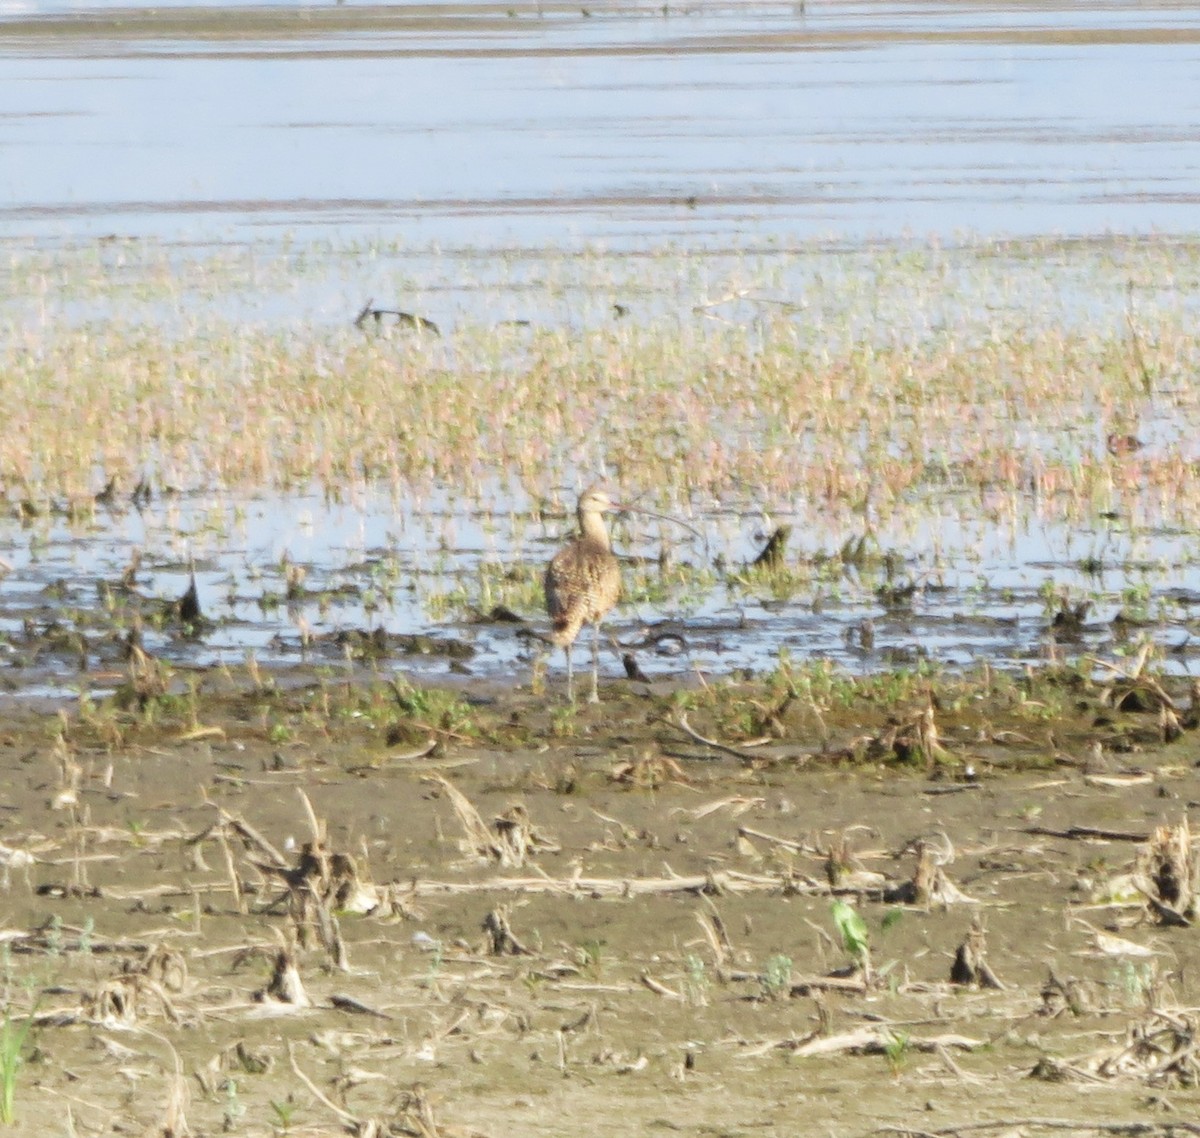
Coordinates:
407 131
459 124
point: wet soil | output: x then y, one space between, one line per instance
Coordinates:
505 914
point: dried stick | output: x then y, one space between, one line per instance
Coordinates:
249 834
1137 1127
726 881
786 843
1082 832
683 725
320 1095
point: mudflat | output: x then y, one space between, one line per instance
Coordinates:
259 903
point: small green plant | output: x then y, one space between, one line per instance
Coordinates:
13 1033
590 955
54 938
1139 982
564 721
853 931
284 1111
696 985
776 978
233 1107
895 1049
435 963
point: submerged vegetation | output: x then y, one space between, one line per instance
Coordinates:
861 383
899 456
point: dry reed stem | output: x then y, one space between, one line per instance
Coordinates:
515 839
174 1121
723 881
479 837
1166 873
1133 1128
351 1120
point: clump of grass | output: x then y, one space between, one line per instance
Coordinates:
776 977
427 709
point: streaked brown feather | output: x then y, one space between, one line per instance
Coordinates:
583 582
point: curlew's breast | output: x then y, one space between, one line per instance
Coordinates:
583 582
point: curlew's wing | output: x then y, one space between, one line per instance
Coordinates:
566 589
582 583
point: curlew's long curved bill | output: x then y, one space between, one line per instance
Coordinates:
622 507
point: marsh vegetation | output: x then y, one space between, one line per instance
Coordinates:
965 442
319 850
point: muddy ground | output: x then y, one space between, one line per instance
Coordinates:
588 920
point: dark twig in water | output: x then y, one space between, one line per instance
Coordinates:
189 604
142 493
129 573
107 496
633 670
502 614
1069 619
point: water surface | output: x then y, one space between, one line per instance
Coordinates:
365 141
476 124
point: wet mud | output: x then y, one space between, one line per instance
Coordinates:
296 903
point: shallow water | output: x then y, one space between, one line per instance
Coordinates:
478 124
988 571
961 595
364 142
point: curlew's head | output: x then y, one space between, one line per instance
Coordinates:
594 503
597 500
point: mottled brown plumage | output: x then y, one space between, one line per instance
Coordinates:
583 582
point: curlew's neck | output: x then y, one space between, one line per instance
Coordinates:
593 529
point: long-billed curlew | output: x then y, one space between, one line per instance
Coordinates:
583 581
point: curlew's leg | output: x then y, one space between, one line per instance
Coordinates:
570 674
595 696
